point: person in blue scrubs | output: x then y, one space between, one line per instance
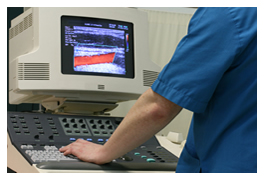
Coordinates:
213 73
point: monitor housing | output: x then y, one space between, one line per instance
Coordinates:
79 60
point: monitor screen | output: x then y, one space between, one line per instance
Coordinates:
93 46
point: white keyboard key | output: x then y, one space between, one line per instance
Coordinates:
29 147
23 146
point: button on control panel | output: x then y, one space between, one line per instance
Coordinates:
74 126
101 127
95 126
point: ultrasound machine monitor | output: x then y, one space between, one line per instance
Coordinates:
77 62
59 55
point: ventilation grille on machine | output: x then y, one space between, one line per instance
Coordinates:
33 71
20 27
149 77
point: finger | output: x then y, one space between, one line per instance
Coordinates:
62 149
77 143
68 151
71 147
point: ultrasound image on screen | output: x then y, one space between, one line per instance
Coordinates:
97 47
97 50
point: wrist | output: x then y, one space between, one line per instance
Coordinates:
103 156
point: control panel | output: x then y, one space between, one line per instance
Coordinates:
39 136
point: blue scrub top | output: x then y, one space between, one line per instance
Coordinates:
213 73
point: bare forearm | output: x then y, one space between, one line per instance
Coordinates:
148 116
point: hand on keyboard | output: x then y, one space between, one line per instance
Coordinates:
85 151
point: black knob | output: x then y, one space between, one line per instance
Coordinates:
36 136
37 122
75 126
126 158
117 122
24 126
39 127
15 126
67 125
51 137
107 122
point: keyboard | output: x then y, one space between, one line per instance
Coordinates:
38 138
49 153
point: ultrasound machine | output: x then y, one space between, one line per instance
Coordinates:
78 63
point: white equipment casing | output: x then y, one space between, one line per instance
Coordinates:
35 74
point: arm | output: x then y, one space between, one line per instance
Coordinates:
149 115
